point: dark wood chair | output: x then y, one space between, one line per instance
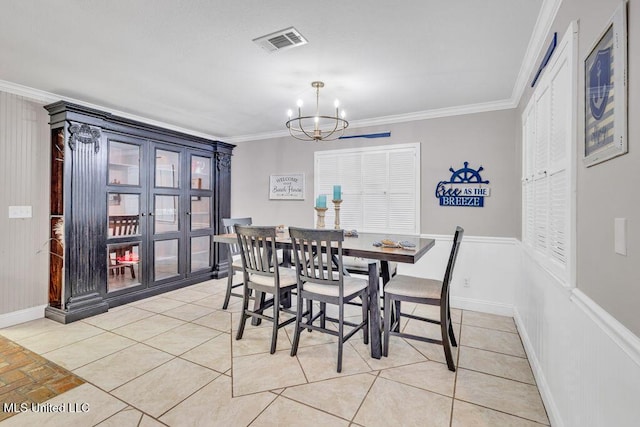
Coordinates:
423 291
233 258
261 273
322 279
122 257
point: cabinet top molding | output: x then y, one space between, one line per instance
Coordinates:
62 111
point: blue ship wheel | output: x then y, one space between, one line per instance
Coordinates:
467 175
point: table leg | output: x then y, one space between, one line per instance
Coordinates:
374 312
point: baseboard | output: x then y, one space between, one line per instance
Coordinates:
483 306
21 316
538 373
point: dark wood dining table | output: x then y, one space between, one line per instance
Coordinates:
362 246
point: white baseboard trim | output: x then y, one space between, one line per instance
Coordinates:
473 239
538 373
623 337
483 306
21 316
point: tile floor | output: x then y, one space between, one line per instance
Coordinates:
173 360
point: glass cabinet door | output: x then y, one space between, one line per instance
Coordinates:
199 213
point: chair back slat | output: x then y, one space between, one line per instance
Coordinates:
315 252
258 250
228 224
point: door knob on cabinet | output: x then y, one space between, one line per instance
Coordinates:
150 213
188 213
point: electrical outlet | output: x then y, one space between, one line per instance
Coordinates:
467 282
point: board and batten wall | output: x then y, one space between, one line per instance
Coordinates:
583 342
24 156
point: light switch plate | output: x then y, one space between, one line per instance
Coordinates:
620 235
20 212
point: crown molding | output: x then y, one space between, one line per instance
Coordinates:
504 104
45 97
537 43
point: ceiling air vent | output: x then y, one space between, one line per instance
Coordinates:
281 40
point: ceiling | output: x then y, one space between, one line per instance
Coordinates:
191 64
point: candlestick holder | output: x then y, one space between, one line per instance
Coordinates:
321 212
336 204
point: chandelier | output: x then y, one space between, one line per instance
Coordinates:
317 127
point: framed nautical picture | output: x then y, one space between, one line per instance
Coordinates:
605 71
286 187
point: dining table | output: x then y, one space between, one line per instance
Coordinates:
367 246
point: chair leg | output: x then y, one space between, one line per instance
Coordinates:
386 324
340 336
323 316
444 329
245 308
396 318
310 311
227 296
299 327
365 315
452 336
276 319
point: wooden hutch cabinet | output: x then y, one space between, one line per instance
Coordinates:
133 210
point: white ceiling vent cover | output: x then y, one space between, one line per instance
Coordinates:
281 40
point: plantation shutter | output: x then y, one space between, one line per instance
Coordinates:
547 155
379 187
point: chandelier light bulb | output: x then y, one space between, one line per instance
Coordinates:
299 103
316 119
336 103
289 113
342 114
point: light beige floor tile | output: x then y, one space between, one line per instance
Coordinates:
28 329
431 351
320 362
433 312
159 304
465 414
186 295
214 354
220 320
188 312
60 337
400 353
339 396
311 338
391 403
286 412
164 387
264 371
86 351
492 340
213 406
149 327
97 406
114 319
183 338
504 395
258 340
211 287
491 321
215 301
127 417
116 369
147 421
430 376
502 365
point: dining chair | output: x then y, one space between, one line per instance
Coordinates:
233 257
422 291
261 273
322 279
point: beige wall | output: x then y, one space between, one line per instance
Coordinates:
483 139
24 178
607 190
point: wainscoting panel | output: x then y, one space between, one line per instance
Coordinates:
586 364
24 154
485 275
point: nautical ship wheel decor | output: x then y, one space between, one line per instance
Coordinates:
465 187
